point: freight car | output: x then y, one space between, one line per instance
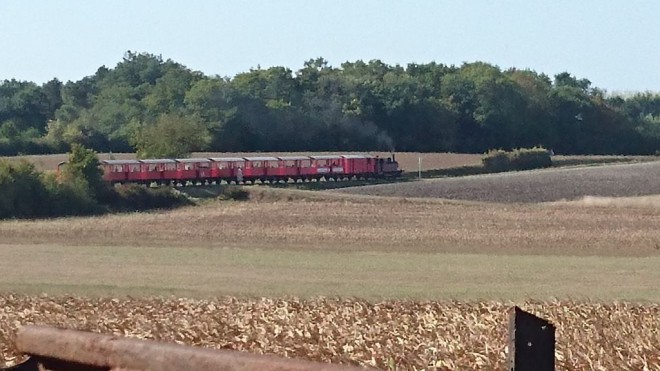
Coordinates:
248 169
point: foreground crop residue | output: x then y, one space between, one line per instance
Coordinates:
401 334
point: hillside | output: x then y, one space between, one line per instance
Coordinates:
624 180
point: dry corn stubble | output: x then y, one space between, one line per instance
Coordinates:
401 334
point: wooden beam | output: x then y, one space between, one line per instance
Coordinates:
97 351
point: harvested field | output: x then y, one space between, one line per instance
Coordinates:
623 180
311 221
387 335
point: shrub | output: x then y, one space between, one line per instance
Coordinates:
69 198
497 161
84 164
26 193
530 158
519 159
234 193
134 197
23 193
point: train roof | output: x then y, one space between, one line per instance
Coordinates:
325 157
357 156
262 158
158 161
294 158
226 159
120 162
189 160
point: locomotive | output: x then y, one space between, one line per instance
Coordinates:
248 170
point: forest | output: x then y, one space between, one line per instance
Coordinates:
161 108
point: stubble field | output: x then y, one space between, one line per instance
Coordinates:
394 334
434 277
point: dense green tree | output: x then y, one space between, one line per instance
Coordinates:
25 105
83 166
156 106
172 135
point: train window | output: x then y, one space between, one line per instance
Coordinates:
134 168
290 163
203 165
256 164
306 163
171 166
117 169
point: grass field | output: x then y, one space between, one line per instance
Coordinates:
434 277
203 272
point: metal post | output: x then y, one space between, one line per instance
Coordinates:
531 342
419 167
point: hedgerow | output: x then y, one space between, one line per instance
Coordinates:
518 159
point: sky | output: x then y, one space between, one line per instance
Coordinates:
613 43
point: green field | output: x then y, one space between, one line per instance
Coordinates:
206 272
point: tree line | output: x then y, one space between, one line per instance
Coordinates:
160 108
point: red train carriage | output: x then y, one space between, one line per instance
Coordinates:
327 166
193 169
250 169
226 168
120 171
359 165
296 167
261 168
160 170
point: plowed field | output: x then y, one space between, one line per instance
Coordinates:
625 180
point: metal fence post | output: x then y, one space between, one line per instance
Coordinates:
531 342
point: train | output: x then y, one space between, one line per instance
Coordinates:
248 170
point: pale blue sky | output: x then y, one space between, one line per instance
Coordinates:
615 44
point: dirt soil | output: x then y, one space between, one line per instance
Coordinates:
622 180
